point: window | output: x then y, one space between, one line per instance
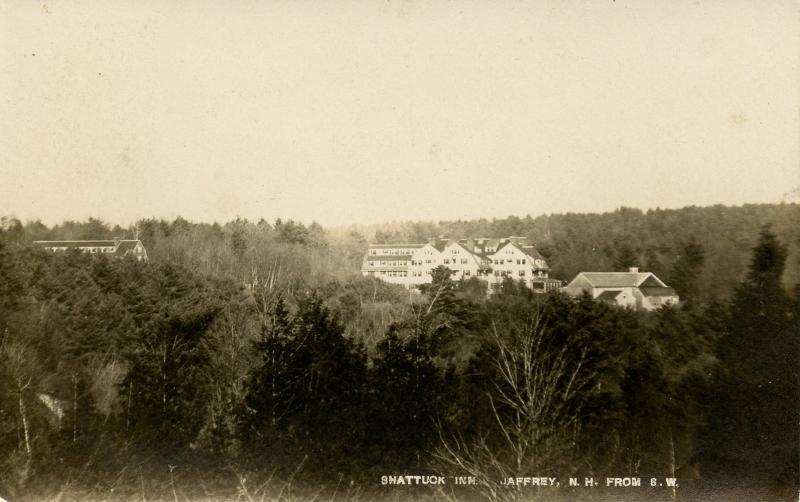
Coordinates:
522 273
463 261
466 272
447 261
523 261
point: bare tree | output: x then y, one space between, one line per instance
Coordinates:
19 373
535 400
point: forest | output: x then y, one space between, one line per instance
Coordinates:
252 361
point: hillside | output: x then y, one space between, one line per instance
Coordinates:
653 240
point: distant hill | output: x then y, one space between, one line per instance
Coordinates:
653 240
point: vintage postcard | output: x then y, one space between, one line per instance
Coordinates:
399 250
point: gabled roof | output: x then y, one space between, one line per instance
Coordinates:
76 244
532 252
440 244
528 250
476 245
503 245
396 246
125 247
460 243
609 296
618 279
658 292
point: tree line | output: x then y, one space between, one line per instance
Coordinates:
174 378
653 240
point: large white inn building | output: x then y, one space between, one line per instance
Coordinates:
490 260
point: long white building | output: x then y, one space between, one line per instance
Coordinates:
116 247
490 260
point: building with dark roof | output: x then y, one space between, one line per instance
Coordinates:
640 290
119 248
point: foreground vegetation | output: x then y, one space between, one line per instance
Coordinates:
172 380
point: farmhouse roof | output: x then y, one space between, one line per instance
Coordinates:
616 279
658 291
609 296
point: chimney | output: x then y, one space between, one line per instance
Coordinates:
633 269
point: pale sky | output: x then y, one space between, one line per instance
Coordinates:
372 110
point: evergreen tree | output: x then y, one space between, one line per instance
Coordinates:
406 393
686 270
12 282
304 398
449 318
625 257
754 432
238 242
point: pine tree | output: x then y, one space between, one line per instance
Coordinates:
405 392
303 399
754 421
625 257
686 270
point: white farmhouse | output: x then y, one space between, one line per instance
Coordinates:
640 290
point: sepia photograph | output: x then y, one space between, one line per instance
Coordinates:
399 250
